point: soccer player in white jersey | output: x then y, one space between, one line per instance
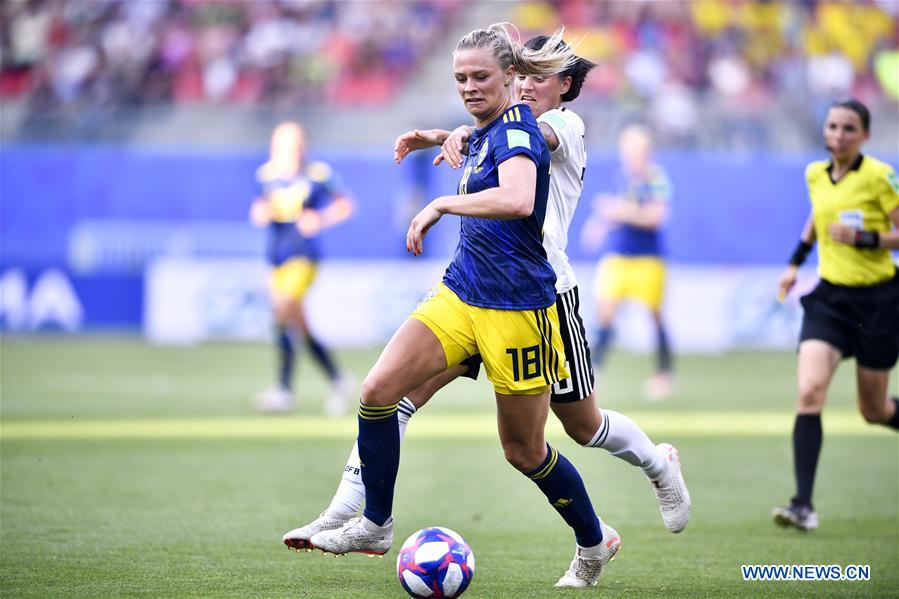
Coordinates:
573 399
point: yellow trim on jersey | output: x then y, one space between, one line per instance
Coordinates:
863 198
521 349
293 278
512 115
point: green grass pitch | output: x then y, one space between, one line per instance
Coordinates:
137 471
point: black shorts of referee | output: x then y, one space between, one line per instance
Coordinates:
859 321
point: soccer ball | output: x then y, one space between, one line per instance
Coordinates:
435 562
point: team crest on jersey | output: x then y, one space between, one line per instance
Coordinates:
482 155
893 181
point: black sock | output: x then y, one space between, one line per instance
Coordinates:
603 341
663 350
807 437
894 421
322 356
285 357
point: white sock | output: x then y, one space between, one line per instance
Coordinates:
350 494
620 436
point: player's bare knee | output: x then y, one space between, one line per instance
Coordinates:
522 457
580 433
811 395
377 392
874 412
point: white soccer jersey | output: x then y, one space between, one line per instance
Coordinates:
566 181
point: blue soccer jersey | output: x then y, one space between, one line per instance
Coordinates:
629 240
314 188
501 263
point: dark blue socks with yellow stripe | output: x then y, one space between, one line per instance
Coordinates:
562 484
379 458
323 357
285 357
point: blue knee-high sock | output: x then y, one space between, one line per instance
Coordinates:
562 484
379 456
663 350
322 356
604 338
284 341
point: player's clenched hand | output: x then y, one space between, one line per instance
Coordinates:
787 280
841 233
419 226
418 139
452 149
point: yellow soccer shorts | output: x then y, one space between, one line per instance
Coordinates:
640 278
293 278
522 349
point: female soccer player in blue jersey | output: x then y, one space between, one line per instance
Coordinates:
854 310
572 400
633 266
296 202
497 299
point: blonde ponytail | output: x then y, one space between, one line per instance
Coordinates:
554 57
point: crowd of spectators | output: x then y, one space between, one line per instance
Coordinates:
89 53
673 62
678 60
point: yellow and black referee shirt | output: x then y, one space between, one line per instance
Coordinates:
862 199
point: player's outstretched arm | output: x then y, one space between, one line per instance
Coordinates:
513 199
417 139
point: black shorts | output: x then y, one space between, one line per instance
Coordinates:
859 321
577 352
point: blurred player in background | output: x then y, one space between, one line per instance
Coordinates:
854 310
497 299
633 266
573 400
297 201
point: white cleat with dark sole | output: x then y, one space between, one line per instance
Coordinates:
671 491
358 535
585 571
300 538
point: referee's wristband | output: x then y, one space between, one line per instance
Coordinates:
867 239
800 253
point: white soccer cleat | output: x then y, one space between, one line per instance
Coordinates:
671 491
299 538
339 399
585 571
358 535
274 401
